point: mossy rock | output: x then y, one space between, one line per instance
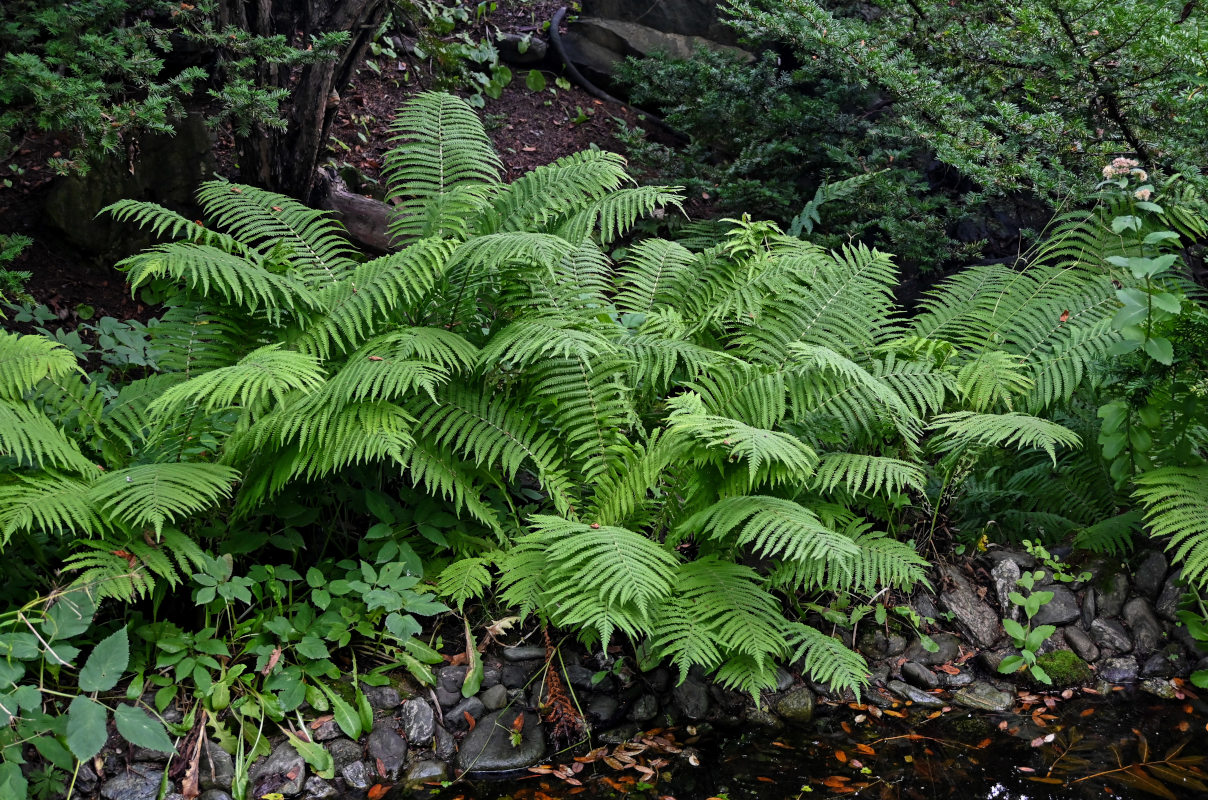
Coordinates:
1065 668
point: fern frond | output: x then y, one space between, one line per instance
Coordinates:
540 198
526 341
49 502
615 214
826 659
464 579
652 273
1176 506
168 224
993 379
266 374
964 428
774 528
194 337
1113 536
861 473
107 574
883 561
622 493
26 360
31 439
443 475
156 494
313 244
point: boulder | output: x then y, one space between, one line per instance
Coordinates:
983 697
1081 643
797 706
971 613
1145 628
490 746
284 771
917 696
1062 609
419 721
1150 574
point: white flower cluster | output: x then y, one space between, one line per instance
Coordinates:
1129 167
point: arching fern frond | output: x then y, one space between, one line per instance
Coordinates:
156 494
615 214
540 198
194 337
826 659
861 473
441 474
263 375
31 439
774 528
464 579
1176 506
27 360
652 273
49 502
168 224
993 379
964 428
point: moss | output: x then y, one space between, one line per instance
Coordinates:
1065 668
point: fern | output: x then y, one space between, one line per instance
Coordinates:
265 375
463 580
964 428
156 494
1175 500
826 659
50 502
25 361
860 473
774 527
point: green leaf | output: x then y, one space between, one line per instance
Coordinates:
70 615
12 782
1200 678
312 647
53 751
1126 222
473 681
347 718
1040 675
10 673
1010 664
1014 630
315 755
1160 349
1159 236
106 663
21 646
1167 302
315 578
364 710
140 728
535 80
86 730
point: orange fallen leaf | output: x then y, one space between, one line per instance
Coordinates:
984 743
846 727
1086 712
764 779
836 781
866 750
841 756
783 746
378 791
529 149
469 719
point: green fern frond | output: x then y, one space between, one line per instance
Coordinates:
156 494
1175 500
964 428
369 376
615 214
445 349
860 473
652 273
755 395
195 337
441 168
167 224
1113 536
883 561
261 377
826 659
31 439
26 360
464 579
621 494
526 341
48 502
853 393
544 196
993 379
107 574
314 245
774 528
443 475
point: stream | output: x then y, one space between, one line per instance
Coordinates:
1080 745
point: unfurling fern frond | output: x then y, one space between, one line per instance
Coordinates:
27 360
964 428
441 168
156 494
465 579
1176 506
860 473
826 659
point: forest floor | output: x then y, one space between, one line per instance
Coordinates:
529 128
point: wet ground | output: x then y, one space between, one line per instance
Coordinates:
1046 748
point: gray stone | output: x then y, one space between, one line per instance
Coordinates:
356 774
1145 628
877 645
419 721
879 675
658 679
1119 670
917 696
426 772
796 706
949 649
455 719
446 698
326 731
215 768
388 750
984 697
344 752
621 38
517 676
996 556
971 613
578 677
516 654
762 719
924 605
451 678
693 698
1160 665
644 709
214 794
1150 574
1062 609
140 782
318 789
602 708
1159 687
489 747
86 779
1111 600
1006 575
1088 610
1110 634
444 746
687 17
382 698
148 756
962 678
1081 643
492 673
918 675
494 698
1167 605
283 771
784 680
990 659
521 50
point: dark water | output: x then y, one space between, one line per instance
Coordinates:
1124 746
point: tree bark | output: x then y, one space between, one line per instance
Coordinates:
285 160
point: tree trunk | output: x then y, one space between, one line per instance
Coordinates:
285 160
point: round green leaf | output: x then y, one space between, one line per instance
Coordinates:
140 728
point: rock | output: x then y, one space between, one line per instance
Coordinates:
962 678
658 679
916 696
517 676
517 654
916 674
949 649
877 646
86 779
997 555
446 698
972 614
693 698
1111 599
1160 688
784 680
1062 609
1005 575
879 674
687 17
579 677
521 50
388 750
426 772
1167 605
990 659
318 789
356 774
215 768
644 709
283 771
924 605
214 794
494 698
451 678
1150 574
382 698
1081 643
344 752
444 746
1088 610
1064 669
1111 634
492 673
762 719
602 708
489 747
140 782
1161 665
419 721
455 719
984 697
1145 628
326 731
599 43
1119 670
796 706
